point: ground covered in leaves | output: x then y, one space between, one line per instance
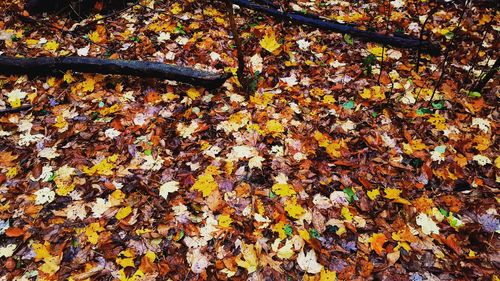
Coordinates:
336 166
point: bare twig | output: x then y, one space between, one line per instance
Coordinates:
422 28
448 52
237 40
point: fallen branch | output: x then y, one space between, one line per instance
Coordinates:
15 109
404 42
47 66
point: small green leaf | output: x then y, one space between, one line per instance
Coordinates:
438 105
148 152
474 94
443 211
314 233
288 229
348 39
349 104
272 195
52 177
423 111
351 195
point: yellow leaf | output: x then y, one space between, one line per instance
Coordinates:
12 172
176 8
60 122
51 46
327 275
332 147
123 213
225 221
126 258
15 103
151 256
280 229
393 193
31 42
377 50
330 99
304 234
103 168
375 93
346 213
274 126
64 189
92 232
269 42
283 189
95 37
294 209
89 84
51 265
250 261
68 77
41 250
372 194
438 121
193 93
206 184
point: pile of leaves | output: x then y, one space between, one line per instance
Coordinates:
338 165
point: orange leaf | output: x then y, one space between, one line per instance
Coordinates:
377 242
14 232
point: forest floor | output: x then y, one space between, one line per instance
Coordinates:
337 165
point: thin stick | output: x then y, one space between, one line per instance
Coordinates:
448 51
431 13
493 70
387 17
241 59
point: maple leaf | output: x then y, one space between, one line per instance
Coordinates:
7 250
168 187
224 221
15 97
95 37
377 241
372 194
427 224
249 261
104 167
92 232
126 258
274 126
393 193
51 46
308 262
193 93
327 275
283 189
44 195
205 183
269 42
294 209
176 8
